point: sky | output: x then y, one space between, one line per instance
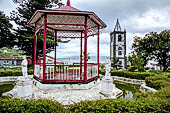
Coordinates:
138 17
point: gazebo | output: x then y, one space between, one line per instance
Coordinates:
61 23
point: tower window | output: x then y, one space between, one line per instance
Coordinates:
120 62
119 52
119 38
119 48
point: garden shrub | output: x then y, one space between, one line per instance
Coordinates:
157 82
164 93
132 75
122 106
14 73
102 72
9 105
132 68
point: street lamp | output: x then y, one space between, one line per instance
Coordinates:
5 51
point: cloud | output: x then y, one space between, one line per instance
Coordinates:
152 20
138 17
7 6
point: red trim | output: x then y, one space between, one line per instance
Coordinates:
81 49
65 24
98 42
35 40
64 80
68 37
55 37
44 46
39 28
38 77
68 3
78 31
85 50
93 77
92 35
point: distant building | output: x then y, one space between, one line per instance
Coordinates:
118 44
154 64
10 61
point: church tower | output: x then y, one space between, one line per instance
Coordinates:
118 44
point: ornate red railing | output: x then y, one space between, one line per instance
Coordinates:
62 72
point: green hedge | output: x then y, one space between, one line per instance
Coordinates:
142 103
127 74
132 75
158 82
122 106
9 105
14 73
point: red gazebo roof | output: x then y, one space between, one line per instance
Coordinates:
71 13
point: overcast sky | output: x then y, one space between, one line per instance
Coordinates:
138 17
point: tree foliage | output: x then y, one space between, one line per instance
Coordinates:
154 46
24 32
136 63
6 37
115 63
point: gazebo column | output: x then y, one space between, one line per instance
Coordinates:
98 45
85 50
55 56
44 46
81 44
35 48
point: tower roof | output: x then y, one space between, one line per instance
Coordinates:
117 26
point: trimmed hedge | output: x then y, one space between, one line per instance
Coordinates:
14 73
132 75
9 105
142 103
122 106
158 82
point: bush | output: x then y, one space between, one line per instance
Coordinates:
132 68
132 75
14 73
9 105
122 106
158 82
102 72
164 93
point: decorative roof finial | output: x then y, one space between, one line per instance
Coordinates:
68 2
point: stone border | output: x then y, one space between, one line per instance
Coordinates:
143 87
65 86
128 80
10 79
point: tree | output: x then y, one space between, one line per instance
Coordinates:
88 56
25 33
115 63
154 46
136 62
6 37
